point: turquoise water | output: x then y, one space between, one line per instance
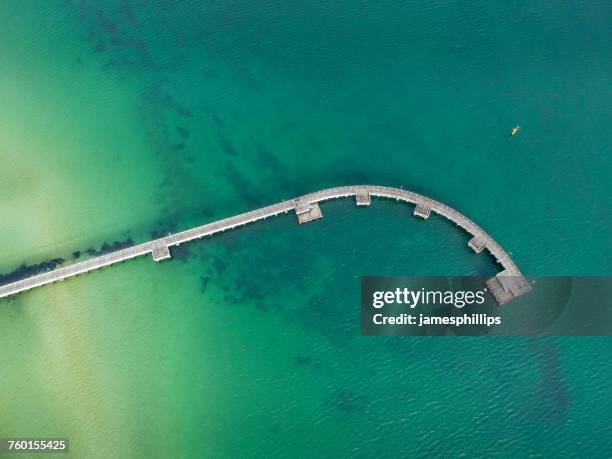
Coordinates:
121 120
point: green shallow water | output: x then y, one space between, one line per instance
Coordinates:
121 120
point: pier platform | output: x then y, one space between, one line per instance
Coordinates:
363 197
161 252
506 286
477 244
308 212
422 209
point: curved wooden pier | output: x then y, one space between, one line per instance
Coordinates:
506 285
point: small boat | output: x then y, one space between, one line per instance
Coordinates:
515 130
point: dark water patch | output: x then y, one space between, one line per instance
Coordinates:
343 175
130 53
388 177
214 116
247 292
279 173
238 252
229 240
119 33
101 47
172 104
181 252
301 360
254 291
133 44
24 271
226 144
109 64
264 156
127 13
178 146
248 193
484 265
106 23
346 401
163 229
183 132
209 73
82 6
339 177
219 265
310 362
12 300
314 144
112 247
238 298
550 394
204 282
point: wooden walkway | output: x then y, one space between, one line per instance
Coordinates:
506 285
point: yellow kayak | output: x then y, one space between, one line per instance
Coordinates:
515 130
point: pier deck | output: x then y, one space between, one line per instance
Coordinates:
505 286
